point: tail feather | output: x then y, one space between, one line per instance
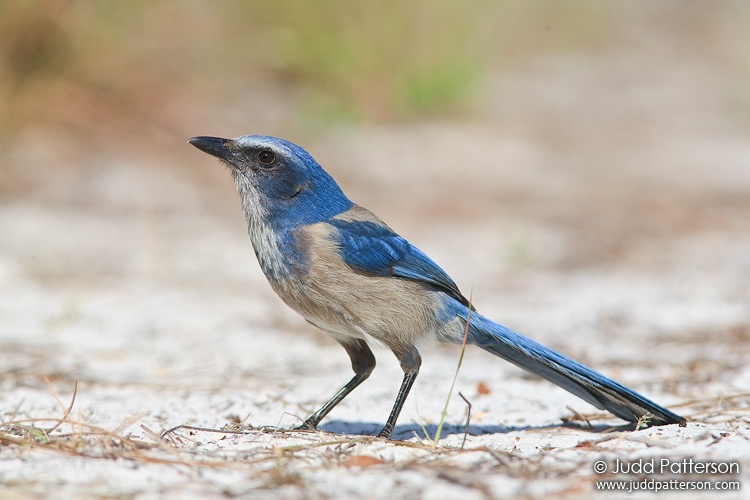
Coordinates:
587 384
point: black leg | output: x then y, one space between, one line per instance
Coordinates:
410 362
363 363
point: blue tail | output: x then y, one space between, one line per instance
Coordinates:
587 384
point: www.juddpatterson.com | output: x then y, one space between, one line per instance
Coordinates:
632 485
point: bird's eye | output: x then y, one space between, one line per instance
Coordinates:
266 157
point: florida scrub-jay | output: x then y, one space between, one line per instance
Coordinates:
346 272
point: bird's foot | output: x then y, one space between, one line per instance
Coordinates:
307 425
386 432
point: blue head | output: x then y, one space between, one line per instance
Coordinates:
279 183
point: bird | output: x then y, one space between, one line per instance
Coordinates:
349 274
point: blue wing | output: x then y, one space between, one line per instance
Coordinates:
372 248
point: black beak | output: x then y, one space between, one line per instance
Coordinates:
215 146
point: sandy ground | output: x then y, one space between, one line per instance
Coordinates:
622 240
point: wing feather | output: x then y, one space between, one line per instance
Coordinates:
374 248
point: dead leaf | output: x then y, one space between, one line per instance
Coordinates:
362 461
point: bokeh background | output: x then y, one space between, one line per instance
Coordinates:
555 135
581 168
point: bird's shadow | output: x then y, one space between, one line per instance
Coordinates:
407 431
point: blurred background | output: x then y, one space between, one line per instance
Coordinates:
587 159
